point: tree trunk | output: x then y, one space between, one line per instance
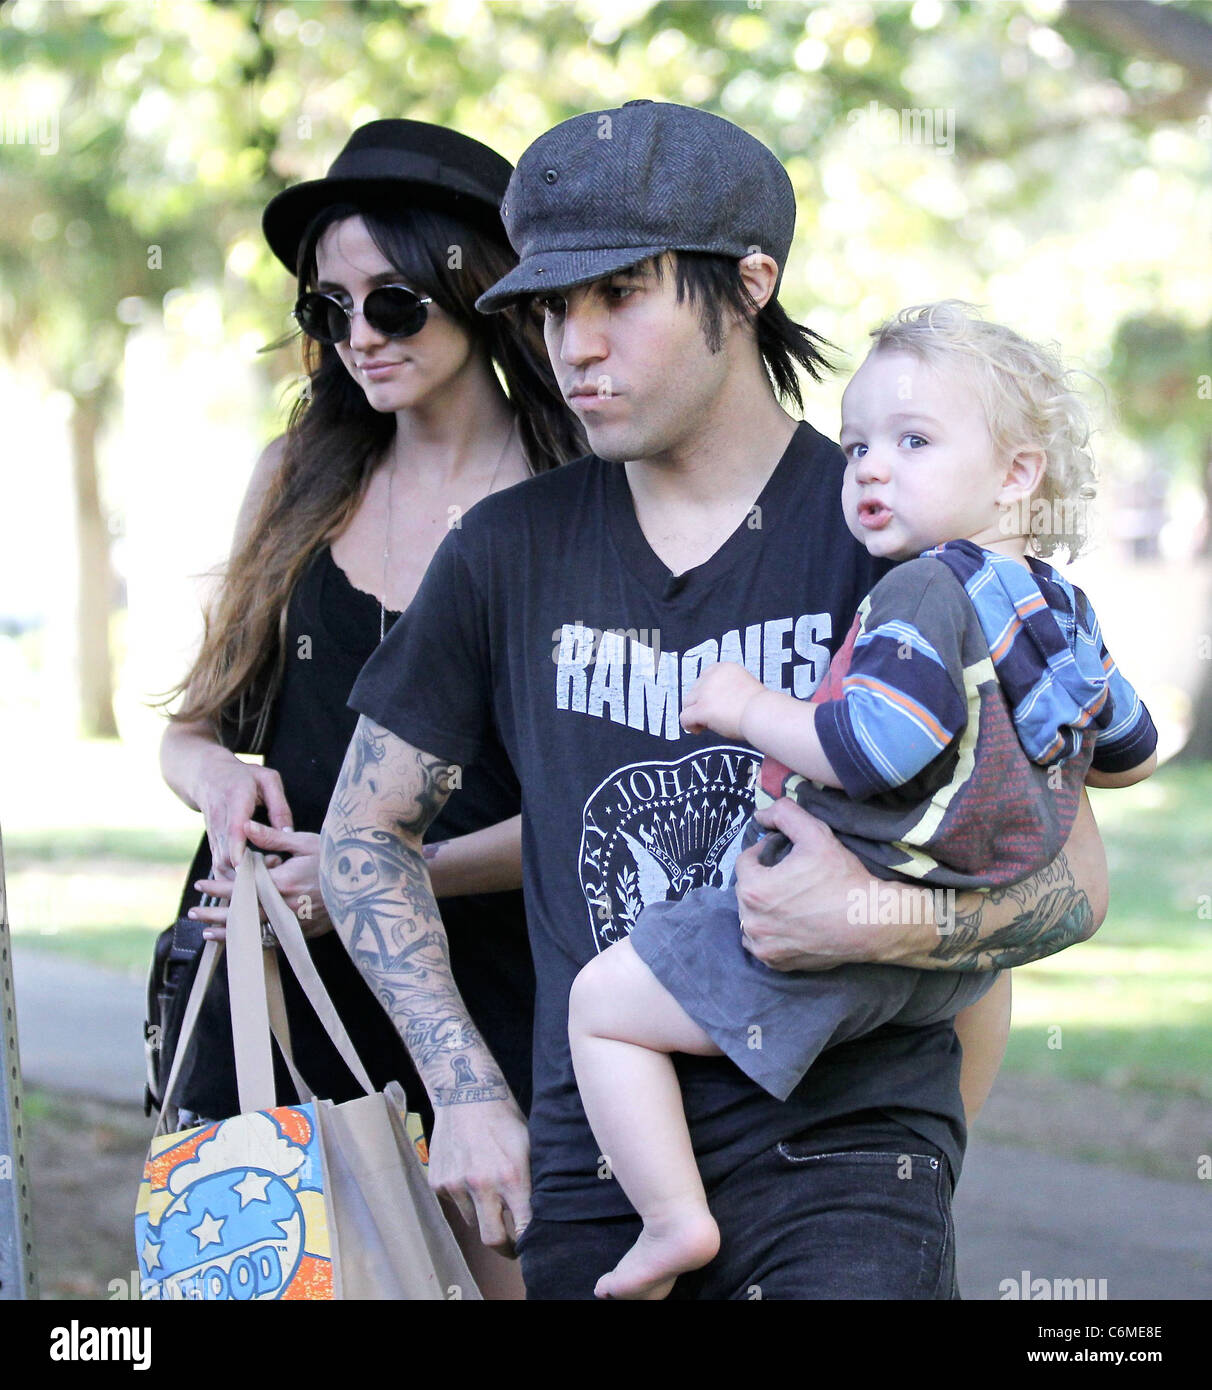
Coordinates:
94 581
1161 31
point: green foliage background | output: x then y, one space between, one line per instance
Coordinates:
1077 162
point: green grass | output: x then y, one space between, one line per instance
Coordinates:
1134 1005
91 842
124 949
1131 1008
90 895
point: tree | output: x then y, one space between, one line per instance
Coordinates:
107 241
1161 365
179 121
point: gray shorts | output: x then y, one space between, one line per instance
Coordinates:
774 1023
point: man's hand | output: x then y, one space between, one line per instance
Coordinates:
796 912
718 698
479 1159
812 910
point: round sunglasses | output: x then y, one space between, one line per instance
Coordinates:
393 310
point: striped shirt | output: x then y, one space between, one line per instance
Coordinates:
901 706
961 716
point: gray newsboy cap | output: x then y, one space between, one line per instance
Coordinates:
609 189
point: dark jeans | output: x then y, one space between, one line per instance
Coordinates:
845 1212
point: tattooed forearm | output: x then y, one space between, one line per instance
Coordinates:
408 786
378 894
1047 912
465 1086
435 1035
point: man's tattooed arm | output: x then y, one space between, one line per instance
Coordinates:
1019 923
1065 902
377 890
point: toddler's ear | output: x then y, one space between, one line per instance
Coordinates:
1024 473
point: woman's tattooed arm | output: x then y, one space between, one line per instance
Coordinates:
377 890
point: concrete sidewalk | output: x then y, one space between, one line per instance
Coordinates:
1016 1210
80 1027
1060 1218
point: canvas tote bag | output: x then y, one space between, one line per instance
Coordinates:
308 1201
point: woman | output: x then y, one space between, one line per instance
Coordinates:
404 425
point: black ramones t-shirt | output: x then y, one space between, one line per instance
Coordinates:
548 619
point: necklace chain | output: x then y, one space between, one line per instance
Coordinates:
391 477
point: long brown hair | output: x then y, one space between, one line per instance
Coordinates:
333 441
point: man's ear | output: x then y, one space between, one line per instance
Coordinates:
759 274
1024 473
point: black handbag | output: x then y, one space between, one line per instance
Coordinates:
174 964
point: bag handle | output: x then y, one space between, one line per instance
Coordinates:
254 988
248 999
246 990
290 937
280 1025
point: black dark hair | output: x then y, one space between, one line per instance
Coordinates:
715 284
334 440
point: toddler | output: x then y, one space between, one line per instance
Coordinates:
947 747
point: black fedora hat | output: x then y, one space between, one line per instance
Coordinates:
389 160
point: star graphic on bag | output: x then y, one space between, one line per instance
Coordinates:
151 1253
252 1188
207 1231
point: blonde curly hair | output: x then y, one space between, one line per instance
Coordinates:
1030 403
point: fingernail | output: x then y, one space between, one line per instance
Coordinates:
193 912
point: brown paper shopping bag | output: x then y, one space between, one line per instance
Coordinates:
315 1200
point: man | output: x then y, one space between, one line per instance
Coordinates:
567 617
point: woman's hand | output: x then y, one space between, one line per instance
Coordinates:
296 877
227 793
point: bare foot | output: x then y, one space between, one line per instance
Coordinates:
667 1247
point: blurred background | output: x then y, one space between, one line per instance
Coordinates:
1047 160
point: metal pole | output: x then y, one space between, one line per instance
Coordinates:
18 1278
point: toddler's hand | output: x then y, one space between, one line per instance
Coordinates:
718 698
